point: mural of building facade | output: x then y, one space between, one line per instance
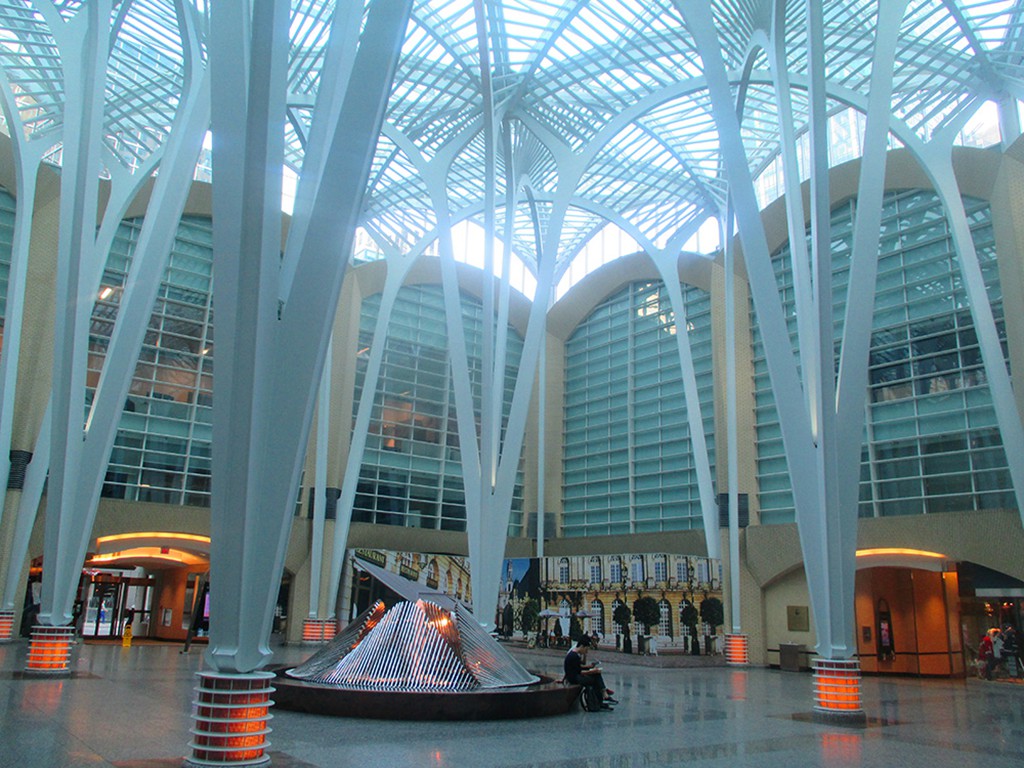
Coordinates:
443 574
674 601
672 598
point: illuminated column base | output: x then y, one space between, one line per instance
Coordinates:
737 650
837 690
232 711
318 630
49 651
6 626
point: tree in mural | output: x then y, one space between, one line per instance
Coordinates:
689 617
530 618
712 613
575 628
622 615
648 614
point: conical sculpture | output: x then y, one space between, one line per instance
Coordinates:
414 646
419 661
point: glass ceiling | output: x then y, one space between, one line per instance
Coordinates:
615 82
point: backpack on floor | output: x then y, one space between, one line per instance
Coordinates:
590 698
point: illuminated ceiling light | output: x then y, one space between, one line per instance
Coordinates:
135 554
106 292
153 535
890 551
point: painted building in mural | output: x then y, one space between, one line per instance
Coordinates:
581 593
553 599
427 573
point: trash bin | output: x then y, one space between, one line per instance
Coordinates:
789 656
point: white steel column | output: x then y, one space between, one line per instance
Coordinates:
832 541
542 416
852 383
800 262
248 61
364 411
794 420
276 341
668 266
732 432
323 426
85 59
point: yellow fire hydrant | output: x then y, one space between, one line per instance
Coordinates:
126 638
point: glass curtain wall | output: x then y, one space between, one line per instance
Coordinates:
162 450
627 464
411 473
931 442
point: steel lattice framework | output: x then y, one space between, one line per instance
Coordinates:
616 83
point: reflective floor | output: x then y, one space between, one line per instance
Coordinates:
131 708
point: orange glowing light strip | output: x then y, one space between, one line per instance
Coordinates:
150 553
882 551
153 535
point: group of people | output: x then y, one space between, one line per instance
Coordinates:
1000 649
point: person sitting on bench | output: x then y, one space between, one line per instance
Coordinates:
578 672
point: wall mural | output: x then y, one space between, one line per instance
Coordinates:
636 603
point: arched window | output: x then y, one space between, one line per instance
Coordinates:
615 569
563 570
597 617
704 571
636 568
661 568
665 620
595 570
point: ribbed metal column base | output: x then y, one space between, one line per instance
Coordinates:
737 650
6 626
49 651
837 691
316 631
232 712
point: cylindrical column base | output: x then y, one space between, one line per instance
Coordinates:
6 626
49 651
837 690
232 711
737 650
315 631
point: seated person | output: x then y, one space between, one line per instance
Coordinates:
578 672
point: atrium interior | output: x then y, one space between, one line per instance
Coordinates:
690 325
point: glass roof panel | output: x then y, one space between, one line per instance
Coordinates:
615 86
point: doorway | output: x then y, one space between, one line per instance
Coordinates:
110 602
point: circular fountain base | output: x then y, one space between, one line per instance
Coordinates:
543 699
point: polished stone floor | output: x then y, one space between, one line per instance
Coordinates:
131 708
